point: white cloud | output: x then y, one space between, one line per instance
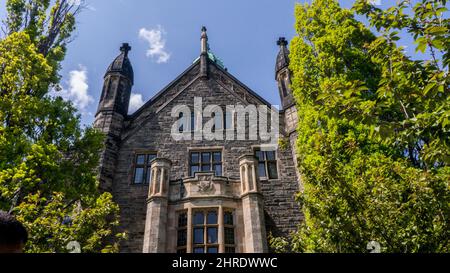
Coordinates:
136 102
156 42
78 89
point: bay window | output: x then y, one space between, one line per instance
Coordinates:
205 229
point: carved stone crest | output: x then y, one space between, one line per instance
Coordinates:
205 184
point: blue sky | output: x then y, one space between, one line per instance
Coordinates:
242 33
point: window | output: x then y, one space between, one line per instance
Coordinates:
142 168
193 121
228 120
182 232
218 122
183 123
228 223
215 125
205 231
267 164
180 122
205 162
283 87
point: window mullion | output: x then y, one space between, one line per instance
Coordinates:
211 161
190 237
221 231
144 175
205 230
266 168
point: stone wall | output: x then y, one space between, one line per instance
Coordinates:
150 131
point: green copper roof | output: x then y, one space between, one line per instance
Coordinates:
216 59
213 58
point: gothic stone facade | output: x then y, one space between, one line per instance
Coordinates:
196 195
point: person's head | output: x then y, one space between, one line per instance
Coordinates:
13 234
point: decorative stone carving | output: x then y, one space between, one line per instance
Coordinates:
205 185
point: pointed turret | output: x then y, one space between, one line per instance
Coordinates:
118 80
112 111
283 55
283 75
122 64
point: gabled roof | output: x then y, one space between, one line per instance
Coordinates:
206 59
174 82
225 71
164 90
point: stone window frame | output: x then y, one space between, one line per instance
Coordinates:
146 166
229 248
276 161
184 228
222 247
201 150
205 226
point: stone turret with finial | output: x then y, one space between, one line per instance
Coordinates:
122 64
283 55
283 75
113 110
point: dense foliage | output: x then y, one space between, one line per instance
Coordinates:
374 128
47 161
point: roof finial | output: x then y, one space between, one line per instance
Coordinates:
282 57
125 48
204 54
282 41
204 39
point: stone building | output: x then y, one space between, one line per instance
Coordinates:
198 194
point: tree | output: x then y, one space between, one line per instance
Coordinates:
374 128
48 175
